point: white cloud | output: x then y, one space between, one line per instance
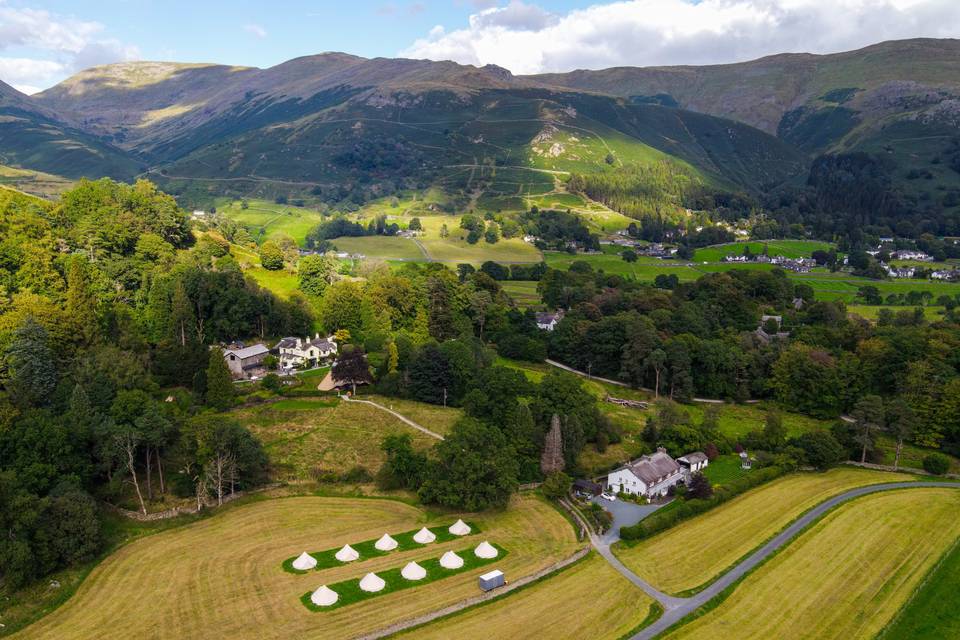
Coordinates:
528 39
256 30
56 46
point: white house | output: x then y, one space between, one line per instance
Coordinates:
650 476
298 352
693 463
547 320
245 362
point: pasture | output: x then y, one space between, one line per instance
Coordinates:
262 218
455 249
588 600
841 579
727 533
381 247
310 438
221 577
786 248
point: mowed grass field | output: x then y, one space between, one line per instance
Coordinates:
588 600
843 578
221 577
434 417
455 249
383 247
301 441
523 292
724 535
934 610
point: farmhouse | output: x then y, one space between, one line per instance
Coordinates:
650 476
302 352
547 321
245 362
693 463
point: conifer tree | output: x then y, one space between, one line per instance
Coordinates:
219 383
551 461
81 301
30 363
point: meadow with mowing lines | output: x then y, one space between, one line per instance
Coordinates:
367 549
349 591
932 314
934 610
613 263
587 600
221 577
522 292
262 219
841 578
727 533
314 436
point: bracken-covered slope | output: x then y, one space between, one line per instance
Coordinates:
32 137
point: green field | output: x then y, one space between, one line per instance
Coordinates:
523 292
263 219
786 248
382 247
724 469
455 249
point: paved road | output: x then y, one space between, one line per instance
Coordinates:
676 609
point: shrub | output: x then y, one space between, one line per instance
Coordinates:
936 463
557 485
272 382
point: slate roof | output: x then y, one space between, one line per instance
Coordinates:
653 467
693 458
547 317
248 352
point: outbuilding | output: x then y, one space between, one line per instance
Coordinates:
492 580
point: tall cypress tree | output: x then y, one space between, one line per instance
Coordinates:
551 460
219 393
32 370
81 301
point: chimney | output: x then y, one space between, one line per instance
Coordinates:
299 343
317 336
661 450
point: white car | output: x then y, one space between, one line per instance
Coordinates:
608 496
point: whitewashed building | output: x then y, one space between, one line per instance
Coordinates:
548 320
650 476
245 362
300 352
693 463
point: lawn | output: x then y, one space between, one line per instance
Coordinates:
306 438
614 264
588 600
932 314
934 610
282 283
221 577
724 469
729 532
841 579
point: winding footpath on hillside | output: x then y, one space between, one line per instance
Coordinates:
675 608
398 416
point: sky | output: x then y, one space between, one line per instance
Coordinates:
43 42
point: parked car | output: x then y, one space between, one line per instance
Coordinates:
608 496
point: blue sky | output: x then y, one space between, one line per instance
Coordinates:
43 42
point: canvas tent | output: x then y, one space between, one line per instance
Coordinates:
304 562
485 550
413 571
450 560
347 554
424 536
372 582
459 528
386 543
324 596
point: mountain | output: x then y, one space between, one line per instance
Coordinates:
335 121
31 136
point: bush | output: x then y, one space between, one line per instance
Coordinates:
820 449
271 382
557 485
936 463
663 520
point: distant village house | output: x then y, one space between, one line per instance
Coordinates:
246 362
548 320
305 352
